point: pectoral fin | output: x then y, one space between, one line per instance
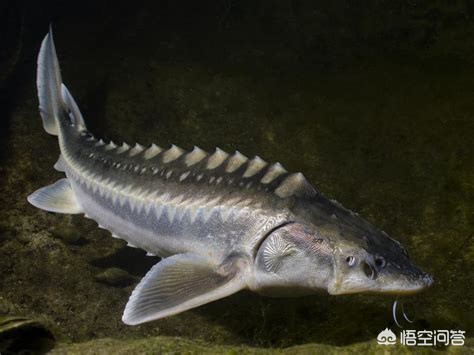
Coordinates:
57 197
176 284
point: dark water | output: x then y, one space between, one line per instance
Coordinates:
375 105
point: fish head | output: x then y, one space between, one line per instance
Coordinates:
365 259
374 263
333 249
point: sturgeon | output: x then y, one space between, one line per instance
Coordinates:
220 222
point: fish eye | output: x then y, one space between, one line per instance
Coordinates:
369 271
380 261
351 260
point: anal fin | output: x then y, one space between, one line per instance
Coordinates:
57 197
59 165
179 283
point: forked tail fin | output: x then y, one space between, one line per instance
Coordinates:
57 107
54 98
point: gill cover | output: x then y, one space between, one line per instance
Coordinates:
293 260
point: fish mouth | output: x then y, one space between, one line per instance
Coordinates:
388 288
425 282
401 291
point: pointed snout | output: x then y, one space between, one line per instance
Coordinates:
424 281
408 288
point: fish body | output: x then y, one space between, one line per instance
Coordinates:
221 222
175 201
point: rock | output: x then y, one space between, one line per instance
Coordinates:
4 309
6 235
115 277
68 234
25 336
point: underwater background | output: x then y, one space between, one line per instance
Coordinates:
373 101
